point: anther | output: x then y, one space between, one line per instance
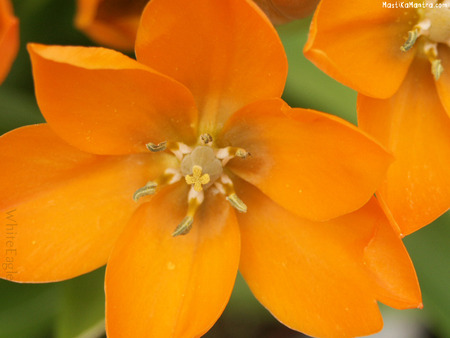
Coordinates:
197 179
156 147
436 68
432 54
148 189
206 139
184 227
242 153
169 176
411 40
226 187
227 153
195 198
236 202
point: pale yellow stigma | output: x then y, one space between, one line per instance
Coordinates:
197 179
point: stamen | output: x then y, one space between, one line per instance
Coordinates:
148 189
436 69
170 176
432 54
177 148
197 179
184 227
195 198
226 186
412 37
237 203
156 147
227 153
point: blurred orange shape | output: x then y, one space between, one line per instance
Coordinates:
283 11
112 23
9 38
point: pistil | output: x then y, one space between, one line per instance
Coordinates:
197 179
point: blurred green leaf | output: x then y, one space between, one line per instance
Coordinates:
17 108
27 310
430 252
82 307
306 85
42 21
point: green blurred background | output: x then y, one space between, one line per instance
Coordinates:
75 308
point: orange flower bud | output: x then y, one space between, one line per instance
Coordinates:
112 23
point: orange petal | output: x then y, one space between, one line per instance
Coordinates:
283 11
65 207
9 38
316 165
103 102
110 22
226 52
443 84
389 264
414 126
358 43
313 276
163 286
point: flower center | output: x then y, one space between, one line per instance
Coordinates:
434 27
202 168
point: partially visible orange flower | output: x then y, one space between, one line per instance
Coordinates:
111 23
283 11
399 61
9 38
210 136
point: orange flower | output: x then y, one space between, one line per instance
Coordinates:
399 61
185 145
112 23
9 38
283 11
